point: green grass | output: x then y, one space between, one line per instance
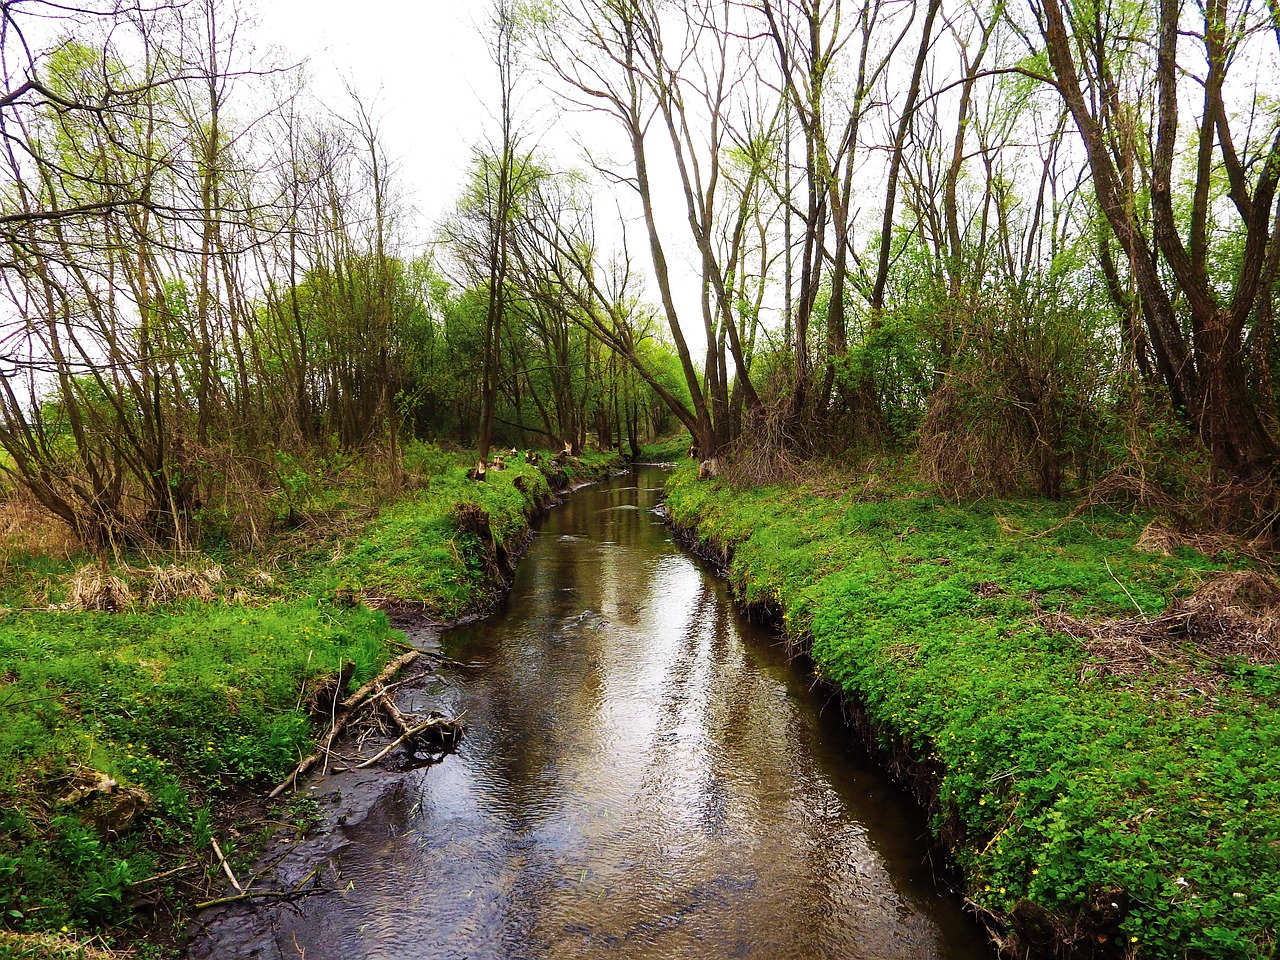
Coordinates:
671 450
415 554
190 702
1060 793
182 704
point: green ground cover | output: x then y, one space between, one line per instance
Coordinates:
1132 811
189 703
183 704
415 554
672 450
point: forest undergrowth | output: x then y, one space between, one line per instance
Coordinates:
149 702
1086 705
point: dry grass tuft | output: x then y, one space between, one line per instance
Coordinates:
1232 617
1248 593
26 527
51 946
778 449
969 449
765 455
172 582
1157 539
94 588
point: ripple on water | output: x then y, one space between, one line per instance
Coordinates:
644 776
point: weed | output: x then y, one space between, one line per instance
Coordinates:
672 450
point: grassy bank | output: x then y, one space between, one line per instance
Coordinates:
128 735
1106 778
671 450
426 557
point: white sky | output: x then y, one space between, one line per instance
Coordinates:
423 64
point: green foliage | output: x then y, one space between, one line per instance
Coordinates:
415 554
179 703
671 450
427 460
1056 785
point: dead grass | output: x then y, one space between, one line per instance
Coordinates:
48 946
172 582
1233 617
26 527
96 587
768 455
968 448
1163 540
765 455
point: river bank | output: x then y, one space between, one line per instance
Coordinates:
644 775
149 706
1087 709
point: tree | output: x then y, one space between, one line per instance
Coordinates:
1199 244
641 64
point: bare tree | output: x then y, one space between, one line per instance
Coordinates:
644 64
1199 300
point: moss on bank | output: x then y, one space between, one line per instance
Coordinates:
186 705
1095 808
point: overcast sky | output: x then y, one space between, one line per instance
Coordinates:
422 62
427 65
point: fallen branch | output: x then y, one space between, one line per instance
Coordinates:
441 658
296 891
394 667
341 718
1141 612
393 712
409 734
160 876
399 683
226 867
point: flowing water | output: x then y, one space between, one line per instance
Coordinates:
644 776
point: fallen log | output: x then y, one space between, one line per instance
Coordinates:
394 667
343 716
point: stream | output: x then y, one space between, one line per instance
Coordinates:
644 775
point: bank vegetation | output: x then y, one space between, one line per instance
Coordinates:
1021 257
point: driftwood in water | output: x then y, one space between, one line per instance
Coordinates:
437 731
293 894
394 667
344 714
389 707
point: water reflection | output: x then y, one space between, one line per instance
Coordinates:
643 775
